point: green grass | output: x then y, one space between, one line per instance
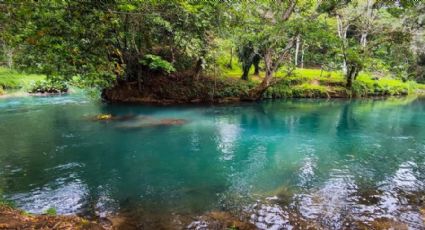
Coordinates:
235 71
314 83
308 83
365 85
12 80
51 211
309 90
301 83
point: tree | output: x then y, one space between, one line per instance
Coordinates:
107 42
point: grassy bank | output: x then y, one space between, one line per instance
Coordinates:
315 83
11 80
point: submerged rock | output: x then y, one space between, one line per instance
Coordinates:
379 224
110 117
133 122
103 117
144 122
171 122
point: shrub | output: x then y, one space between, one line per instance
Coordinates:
232 88
309 90
280 90
2 91
157 63
48 86
366 86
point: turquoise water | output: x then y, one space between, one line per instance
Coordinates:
329 162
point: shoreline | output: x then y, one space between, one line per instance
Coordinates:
198 101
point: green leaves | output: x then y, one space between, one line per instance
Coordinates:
157 63
49 86
127 7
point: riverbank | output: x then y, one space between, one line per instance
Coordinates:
11 218
12 81
227 87
257 216
302 83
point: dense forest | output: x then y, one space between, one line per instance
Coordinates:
145 48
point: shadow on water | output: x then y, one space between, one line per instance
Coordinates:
330 164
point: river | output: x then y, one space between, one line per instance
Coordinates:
276 164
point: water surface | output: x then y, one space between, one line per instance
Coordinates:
323 163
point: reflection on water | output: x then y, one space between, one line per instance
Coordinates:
272 165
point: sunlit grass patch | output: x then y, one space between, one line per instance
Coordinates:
309 90
366 85
11 79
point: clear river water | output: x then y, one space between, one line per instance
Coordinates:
281 164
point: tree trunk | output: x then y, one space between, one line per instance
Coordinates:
230 65
297 48
366 26
351 75
246 66
302 55
8 52
198 69
342 34
349 82
344 66
256 93
363 40
139 81
10 58
256 69
245 73
256 62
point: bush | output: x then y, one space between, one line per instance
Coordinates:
2 91
280 90
285 90
48 86
366 86
310 91
157 63
232 88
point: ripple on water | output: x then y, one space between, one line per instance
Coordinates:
68 166
66 198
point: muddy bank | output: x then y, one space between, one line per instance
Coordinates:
178 90
166 90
